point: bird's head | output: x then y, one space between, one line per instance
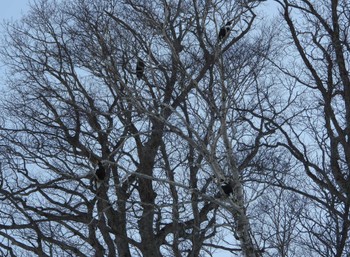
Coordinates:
219 180
97 162
223 181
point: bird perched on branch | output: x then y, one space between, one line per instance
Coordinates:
226 186
252 1
140 68
224 31
100 174
244 3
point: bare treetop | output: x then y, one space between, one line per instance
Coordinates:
175 128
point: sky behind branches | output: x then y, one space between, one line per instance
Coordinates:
10 10
15 9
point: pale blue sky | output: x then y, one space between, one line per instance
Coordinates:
12 9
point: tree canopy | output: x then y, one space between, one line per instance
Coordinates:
121 119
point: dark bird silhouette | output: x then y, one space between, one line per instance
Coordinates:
224 31
140 68
251 1
246 2
100 174
226 187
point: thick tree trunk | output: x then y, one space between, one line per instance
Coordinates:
149 243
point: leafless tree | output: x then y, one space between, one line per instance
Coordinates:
161 135
315 126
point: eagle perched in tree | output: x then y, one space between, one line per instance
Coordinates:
140 68
226 186
224 31
100 174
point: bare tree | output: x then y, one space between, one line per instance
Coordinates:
314 128
159 131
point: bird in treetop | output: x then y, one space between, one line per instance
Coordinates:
100 174
225 186
224 31
140 68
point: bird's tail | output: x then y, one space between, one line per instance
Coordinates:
98 183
